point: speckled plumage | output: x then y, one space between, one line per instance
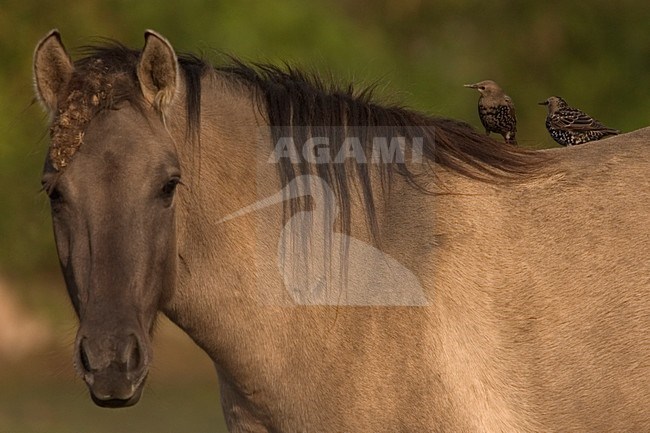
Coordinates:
569 126
496 110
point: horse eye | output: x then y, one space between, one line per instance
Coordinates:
56 199
169 187
55 195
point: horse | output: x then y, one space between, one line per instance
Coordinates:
232 198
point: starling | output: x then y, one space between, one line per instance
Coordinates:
496 110
570 126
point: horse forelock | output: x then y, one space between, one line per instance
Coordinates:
99 82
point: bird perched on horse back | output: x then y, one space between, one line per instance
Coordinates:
569 126
496 110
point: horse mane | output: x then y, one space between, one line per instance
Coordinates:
301 105
298 104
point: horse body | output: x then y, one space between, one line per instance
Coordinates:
537 287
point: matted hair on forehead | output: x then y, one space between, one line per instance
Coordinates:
104 77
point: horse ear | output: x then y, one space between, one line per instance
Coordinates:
52 69
158 71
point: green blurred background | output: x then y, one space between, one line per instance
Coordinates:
596 55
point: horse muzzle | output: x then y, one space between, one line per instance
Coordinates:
114 367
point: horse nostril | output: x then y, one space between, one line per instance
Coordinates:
83 357
133 354
119 354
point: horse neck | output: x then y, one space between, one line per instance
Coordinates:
230 297
222 173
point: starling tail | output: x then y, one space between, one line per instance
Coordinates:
496 110
569 126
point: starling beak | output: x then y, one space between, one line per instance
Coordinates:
496 110
569 126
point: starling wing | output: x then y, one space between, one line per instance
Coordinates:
573 119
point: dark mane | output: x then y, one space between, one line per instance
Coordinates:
300 105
